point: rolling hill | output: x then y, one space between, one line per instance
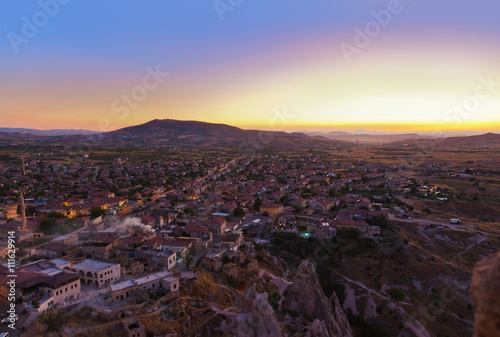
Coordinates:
169 132
487 140
52 132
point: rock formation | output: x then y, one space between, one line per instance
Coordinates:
306 297
485 291
257 318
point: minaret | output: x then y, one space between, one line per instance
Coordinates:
24 170
23 211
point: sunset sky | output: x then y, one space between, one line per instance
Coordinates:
265 64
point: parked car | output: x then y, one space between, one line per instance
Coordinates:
7 319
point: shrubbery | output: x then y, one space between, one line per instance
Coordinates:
396 294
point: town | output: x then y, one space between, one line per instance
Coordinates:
126 236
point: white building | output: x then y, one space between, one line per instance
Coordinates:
97 273
42 280
153 282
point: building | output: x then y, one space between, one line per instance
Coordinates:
97 273
271 209
97 250
44 281
362 226
68 239
136 330
152 282
217 225
426 190
230 269
165 259
177 245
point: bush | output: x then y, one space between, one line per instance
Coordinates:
365 244
96 212
396 294
348 233
35 303
274 299
339 290
47 225
356 320
373 330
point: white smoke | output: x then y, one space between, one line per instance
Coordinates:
129 223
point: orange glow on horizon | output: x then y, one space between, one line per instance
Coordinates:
266 125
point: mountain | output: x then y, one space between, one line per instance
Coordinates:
373 139
169 132
369 137
480 141
53 132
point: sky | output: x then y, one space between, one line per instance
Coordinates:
409 65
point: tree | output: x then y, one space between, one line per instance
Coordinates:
54 321
257 203
238 211
396 294
31 210
35 303
189 258
47 225
348 233
55 215
96 212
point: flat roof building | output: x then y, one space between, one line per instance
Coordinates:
97 273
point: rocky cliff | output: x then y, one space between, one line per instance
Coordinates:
257 318
485 291
306 297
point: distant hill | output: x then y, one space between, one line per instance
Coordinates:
479 141
372 139
193 133
53 132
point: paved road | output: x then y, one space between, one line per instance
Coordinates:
4 306
446 224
